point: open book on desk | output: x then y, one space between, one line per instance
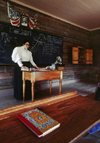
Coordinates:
38 122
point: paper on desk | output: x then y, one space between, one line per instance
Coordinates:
42 69
25 69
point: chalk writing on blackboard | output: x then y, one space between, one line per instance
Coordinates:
46 47
6 39
3 54
37 41
50 44
6 42
20 31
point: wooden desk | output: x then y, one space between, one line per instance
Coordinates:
76 114
39 76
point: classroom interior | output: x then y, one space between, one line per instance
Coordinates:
81 50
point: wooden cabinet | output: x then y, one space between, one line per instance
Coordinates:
75 56
82 56
89 56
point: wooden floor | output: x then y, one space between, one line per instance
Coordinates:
83 88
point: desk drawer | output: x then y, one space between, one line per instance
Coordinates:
47 75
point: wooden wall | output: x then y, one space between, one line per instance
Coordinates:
72 35
95 45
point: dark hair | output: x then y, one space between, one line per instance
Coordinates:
24 41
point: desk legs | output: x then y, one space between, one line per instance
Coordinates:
50 86
23 90
60 86
32 88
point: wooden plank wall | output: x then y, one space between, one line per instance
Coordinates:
72 35
6 76
95 45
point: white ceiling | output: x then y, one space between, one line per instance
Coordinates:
82 13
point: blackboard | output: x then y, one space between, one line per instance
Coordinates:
44 47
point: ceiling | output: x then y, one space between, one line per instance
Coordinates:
82 13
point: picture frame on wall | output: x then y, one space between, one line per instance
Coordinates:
24 21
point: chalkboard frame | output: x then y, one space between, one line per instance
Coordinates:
32 31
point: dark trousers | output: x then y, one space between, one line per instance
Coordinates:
18 83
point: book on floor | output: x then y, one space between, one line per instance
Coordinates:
38 122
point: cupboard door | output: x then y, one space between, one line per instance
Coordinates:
89 56
75 55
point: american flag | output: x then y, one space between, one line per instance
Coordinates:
32 20
15 17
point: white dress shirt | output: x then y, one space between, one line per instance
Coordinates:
20 54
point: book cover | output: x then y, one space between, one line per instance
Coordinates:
38 122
